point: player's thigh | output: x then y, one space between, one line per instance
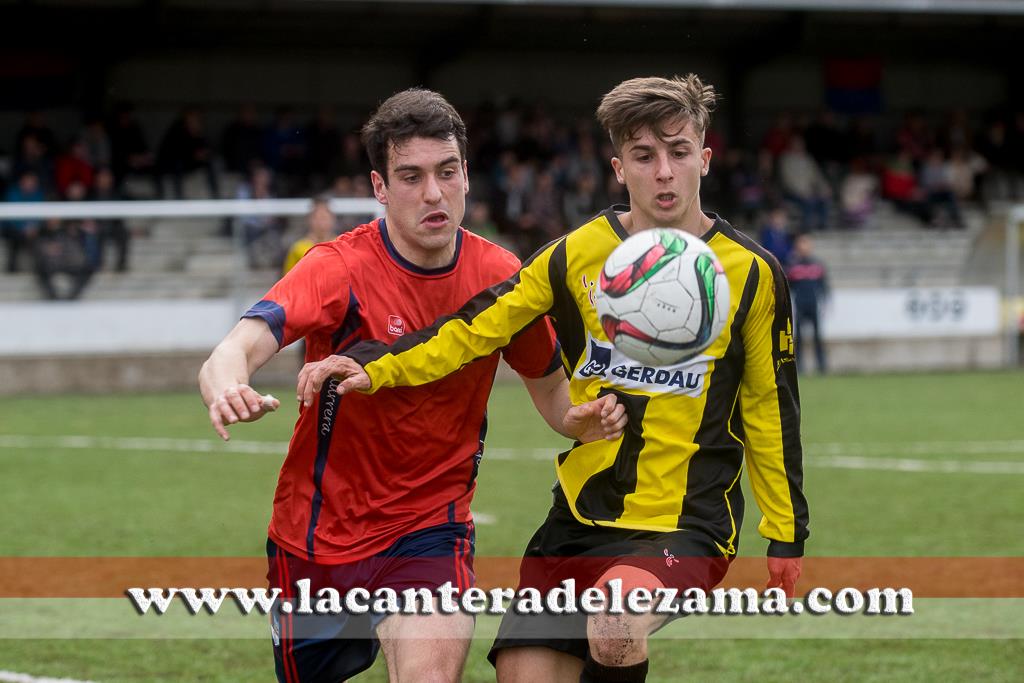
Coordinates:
425 647
535 664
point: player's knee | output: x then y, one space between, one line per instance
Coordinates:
431 672
617 639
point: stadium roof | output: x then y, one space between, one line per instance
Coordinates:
914 6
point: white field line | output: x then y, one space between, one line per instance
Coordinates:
14 677
890 457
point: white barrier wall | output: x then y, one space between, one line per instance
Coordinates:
176 325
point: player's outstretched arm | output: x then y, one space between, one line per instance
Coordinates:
603 418
313 375
224 377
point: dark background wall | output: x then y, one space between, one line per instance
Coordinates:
70 57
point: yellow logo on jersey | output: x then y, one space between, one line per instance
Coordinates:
786 345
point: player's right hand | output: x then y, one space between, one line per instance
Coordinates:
313 375
239 403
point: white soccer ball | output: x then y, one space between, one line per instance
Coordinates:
662 297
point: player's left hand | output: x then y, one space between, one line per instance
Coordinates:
313 375
783 573
604 418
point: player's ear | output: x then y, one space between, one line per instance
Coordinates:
617 167
380 188
705 158
465 176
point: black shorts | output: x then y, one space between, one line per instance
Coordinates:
334 647
563 548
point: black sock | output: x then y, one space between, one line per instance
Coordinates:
596 672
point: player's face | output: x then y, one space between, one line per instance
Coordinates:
425 198
663 176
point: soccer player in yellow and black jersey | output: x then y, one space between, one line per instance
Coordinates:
661 506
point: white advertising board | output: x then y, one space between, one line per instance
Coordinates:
913 312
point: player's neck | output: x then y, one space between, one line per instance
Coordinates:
428 259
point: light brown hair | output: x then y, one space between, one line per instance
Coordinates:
653 103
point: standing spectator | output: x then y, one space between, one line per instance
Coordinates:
805 185
241 142
915 137
323 148
20 234
111 230
544 204
775 235
808 283
1000 182
185 150
130 155
284 150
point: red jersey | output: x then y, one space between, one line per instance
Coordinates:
361 471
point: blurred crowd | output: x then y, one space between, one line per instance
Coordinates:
533 175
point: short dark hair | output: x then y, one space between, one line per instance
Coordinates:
416 112
653 102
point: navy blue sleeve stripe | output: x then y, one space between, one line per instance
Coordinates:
272 314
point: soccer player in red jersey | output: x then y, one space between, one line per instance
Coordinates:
375 491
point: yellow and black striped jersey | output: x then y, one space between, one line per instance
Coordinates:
691 425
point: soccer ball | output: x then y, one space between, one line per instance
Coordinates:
662 297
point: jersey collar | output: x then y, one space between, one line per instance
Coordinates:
405 263
612 215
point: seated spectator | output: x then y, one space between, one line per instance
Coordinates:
60 250
322 226
899 185
478 219
32 158
965 168
19 234
775 235
805 185
857 194
261 234
583 202
86 229
111 230
74 166
937 184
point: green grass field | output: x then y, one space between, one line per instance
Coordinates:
84 498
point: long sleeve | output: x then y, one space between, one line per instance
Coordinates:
770 405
